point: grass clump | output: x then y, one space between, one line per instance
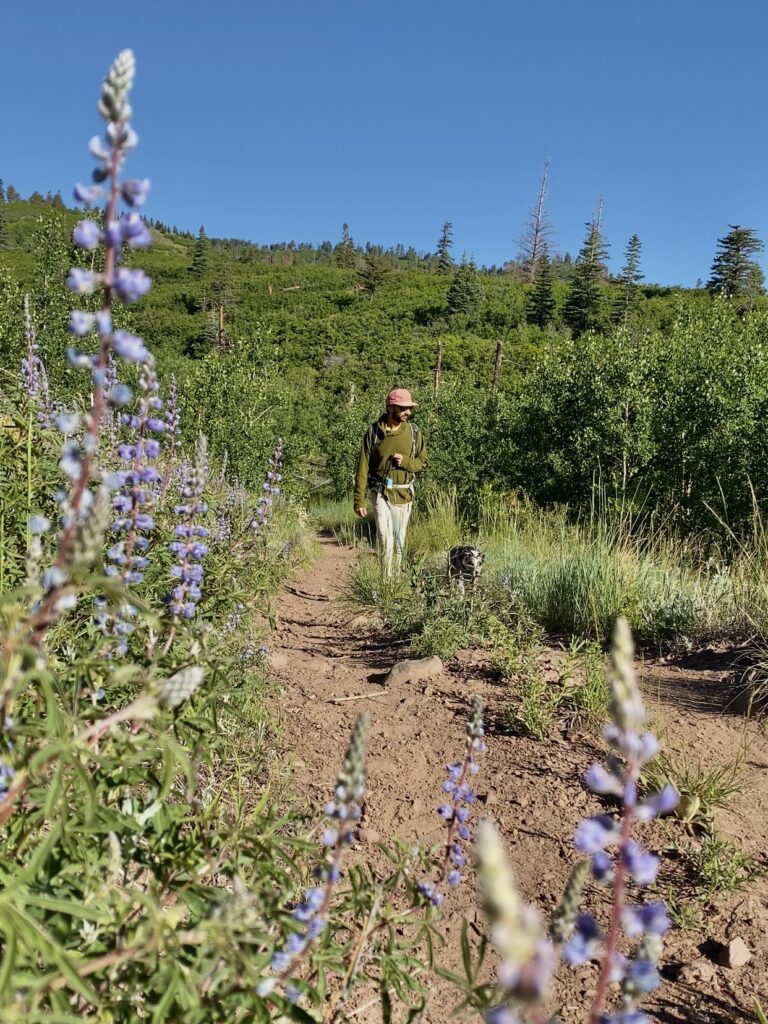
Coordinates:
719 865
702 790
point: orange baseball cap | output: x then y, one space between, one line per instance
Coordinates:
401 397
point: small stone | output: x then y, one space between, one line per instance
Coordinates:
414 671
735 953
697 970
428 691
368 835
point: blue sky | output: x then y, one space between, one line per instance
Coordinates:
280 121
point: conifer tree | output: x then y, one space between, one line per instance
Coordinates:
201 256
465 295
584 305
445 263
537 231
345 255
11 195
373 272
541 306
628 281
2 192
733 273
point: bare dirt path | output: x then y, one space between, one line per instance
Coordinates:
322 652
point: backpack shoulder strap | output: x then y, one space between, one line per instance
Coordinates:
414 438
372 435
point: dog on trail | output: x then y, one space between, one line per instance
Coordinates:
464 564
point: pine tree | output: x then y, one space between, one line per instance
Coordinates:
537 231
11 195
445 264
465 295
584 305
201 256
628 281
2 192
733 273
345 255
541 305
373 272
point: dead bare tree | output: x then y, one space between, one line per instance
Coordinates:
538 229
497 364
438 366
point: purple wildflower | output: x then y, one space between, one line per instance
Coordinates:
131 285
634 747
188 546
456 813
346 809
126 557
87 235
33 372
584 943
270 491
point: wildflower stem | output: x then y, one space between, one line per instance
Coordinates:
454 820
619 893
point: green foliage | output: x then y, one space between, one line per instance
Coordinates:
702 789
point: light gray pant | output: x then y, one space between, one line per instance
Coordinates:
391 527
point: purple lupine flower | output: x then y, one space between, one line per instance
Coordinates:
87 235
270 491
188 549
584 943
456 813
131 285
626 733
83 282
135 191
78 460
649 917
33 372
129 347
344 811
125 557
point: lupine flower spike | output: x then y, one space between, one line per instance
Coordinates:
626 734
33 372
343 812
270 491
188 547
527 956
82 434
134 501
456 813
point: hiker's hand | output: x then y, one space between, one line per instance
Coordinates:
362 511
397 458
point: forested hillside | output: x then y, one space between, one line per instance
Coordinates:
549 378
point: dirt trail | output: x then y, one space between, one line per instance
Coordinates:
322 652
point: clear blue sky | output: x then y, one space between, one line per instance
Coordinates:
278 121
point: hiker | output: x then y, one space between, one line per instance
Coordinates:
393 452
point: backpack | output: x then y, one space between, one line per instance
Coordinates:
375 483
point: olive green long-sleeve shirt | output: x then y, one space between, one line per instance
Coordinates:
376 460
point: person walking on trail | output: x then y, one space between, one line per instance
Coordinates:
393 452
